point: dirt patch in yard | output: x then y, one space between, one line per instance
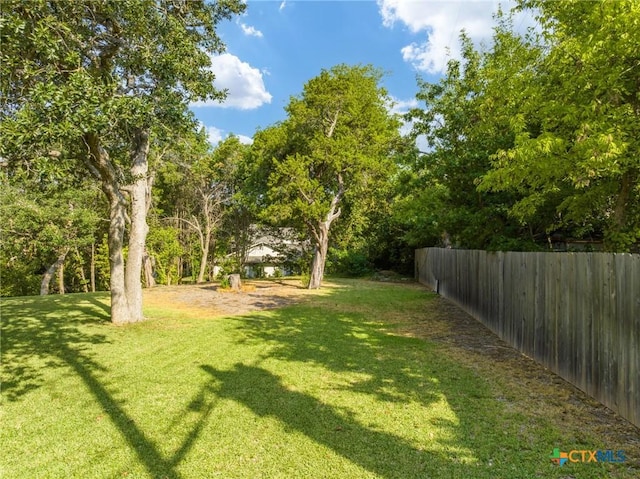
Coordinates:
209 300
521 383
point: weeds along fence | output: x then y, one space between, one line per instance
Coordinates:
578 314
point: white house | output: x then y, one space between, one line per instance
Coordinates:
270 255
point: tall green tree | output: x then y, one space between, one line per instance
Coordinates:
327 157
466 118
204 180
577 131
237 231
101 78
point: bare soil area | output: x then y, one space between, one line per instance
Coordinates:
210 300
521 383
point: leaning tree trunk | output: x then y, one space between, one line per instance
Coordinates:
321 236
147 268
61 278
50 273
319 256
83 277
93 267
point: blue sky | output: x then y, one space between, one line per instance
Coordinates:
277 46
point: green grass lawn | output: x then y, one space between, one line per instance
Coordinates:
328 388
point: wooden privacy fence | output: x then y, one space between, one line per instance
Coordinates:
576 313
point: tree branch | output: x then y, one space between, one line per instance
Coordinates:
333 124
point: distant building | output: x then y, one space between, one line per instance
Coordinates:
272 253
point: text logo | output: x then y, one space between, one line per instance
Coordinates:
561 458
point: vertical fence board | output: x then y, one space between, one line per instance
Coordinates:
590 296
563 338
553 312
634 342
540 317
576 313
602 295
607 328
622 331
582 302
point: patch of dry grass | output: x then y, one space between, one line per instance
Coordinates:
524 386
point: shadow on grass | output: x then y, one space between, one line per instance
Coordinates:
331 333
391 368
265 395
54 329
46 329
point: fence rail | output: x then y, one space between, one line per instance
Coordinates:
576 313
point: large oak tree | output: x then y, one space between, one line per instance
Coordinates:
329 154
96 80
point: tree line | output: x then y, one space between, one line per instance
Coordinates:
535 136
108 181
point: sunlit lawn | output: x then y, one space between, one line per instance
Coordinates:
324 389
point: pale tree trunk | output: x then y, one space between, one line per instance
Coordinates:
139 228
148 262
117 219
205 237
61 278
83 277
147 268
195 226
320 233
212 264
204 260
101 166
93 267
212 215
319 256
50 273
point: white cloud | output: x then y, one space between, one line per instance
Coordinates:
422 144
244 83
214 135
250 30
245 140
400 107
282 5
442 22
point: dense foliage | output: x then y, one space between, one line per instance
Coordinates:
533 138
327 160
101 85
530 141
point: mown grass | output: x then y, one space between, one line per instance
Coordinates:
324 389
